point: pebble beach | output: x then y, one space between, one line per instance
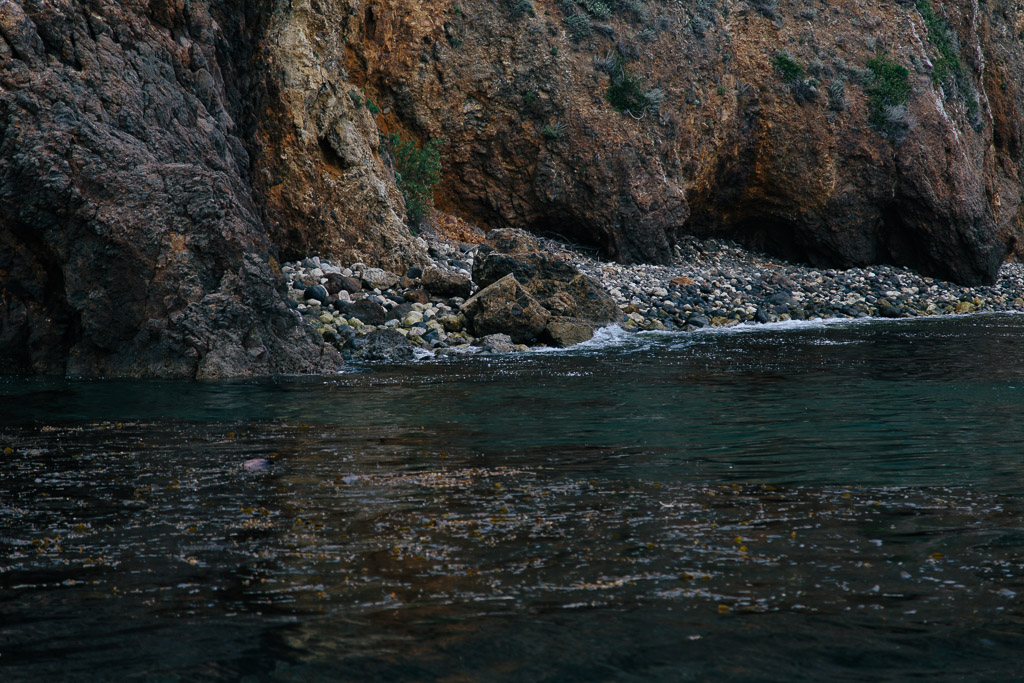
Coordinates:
710 283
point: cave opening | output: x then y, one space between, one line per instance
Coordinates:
572 231
775 237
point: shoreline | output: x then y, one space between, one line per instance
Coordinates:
711 283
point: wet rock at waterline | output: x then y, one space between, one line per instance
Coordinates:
385 345
506 307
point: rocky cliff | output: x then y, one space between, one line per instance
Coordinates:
158 158
758 120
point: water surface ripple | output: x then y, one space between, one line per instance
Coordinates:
782 503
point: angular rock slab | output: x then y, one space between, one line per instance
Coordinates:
446 283
554 282
506 307
563 332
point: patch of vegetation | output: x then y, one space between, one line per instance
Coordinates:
553 132
837 95
788 68
769 9
887 97
948 69
417 173
627 92
792 73
579 27
521 8
601 10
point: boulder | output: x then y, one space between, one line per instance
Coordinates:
400 311
336 282
498 343
512 241
317 292
553 281
378 278
367 312
506 307
446 283
386 345
564 332
416 296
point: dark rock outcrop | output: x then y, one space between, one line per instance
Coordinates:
446 283
555 283
385 345
129 241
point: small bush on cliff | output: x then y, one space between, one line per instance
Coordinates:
417 173
553 132
627 95
788 68
579 27
804 89
887 97
769 9
521 8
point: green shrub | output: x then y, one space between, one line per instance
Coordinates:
521 8
887 96
553 132
626 93
947 69
579 27
788 68
417 173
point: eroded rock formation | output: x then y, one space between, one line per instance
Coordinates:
157 158
730 145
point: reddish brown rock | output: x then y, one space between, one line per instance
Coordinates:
728 147
157 159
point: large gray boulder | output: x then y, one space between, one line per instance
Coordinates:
553 281
440 282
506 307
386 345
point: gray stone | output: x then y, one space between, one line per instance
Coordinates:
386 345
568 331
506 307
377 278
498 343
445 283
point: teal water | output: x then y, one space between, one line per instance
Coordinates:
775 503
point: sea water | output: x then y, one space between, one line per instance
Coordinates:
808 501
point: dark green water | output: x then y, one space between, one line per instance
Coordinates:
814 503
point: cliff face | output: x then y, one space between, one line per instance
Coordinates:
752 120
157 158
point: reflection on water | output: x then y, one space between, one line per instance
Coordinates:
840 502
